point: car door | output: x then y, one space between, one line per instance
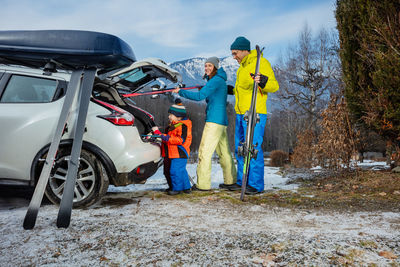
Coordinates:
28 114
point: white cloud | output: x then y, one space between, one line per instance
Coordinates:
284 27
183 25
171 23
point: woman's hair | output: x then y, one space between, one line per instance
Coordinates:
214 71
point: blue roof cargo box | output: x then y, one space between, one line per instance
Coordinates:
69 49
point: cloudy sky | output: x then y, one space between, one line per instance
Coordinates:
177 29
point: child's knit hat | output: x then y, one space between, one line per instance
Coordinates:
178 109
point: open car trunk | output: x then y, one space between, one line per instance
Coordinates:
136 77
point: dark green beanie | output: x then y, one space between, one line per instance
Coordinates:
178 109
241 43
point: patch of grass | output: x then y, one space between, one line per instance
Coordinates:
357 191
278 247
362 190
354 254
368 244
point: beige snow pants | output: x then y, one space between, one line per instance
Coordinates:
214 138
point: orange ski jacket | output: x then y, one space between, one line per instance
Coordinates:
178 145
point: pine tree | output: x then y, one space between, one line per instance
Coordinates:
369 33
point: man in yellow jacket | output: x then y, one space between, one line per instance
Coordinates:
243 91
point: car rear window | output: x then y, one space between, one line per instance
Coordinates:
25 89
133 76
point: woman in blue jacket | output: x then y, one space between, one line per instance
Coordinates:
214 137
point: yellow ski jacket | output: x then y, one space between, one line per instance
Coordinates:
244 84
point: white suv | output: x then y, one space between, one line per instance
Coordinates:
113 151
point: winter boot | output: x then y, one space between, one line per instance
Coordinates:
195 188
251 190
187 191
225 186
235 187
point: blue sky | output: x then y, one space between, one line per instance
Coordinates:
177 29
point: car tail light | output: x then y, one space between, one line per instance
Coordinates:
117 116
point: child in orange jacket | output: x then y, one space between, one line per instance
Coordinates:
176 149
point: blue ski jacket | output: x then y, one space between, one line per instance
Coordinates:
215 93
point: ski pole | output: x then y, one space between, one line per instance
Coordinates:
161 91
152 136
192 181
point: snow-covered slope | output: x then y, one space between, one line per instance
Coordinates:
192 69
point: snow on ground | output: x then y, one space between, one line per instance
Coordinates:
366 164
133 229
273 180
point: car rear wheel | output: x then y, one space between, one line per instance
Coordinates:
91 182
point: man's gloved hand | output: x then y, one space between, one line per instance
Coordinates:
165 137
262 80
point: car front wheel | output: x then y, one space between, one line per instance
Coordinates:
91 182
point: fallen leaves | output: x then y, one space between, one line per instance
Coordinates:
176 234
328 187
209 198
103 258
388 255
57 254
265 259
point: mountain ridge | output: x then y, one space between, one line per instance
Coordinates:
192 69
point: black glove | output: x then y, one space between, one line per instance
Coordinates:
230 89
263 80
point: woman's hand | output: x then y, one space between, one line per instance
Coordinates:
176 90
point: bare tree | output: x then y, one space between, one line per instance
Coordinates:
308 73
281 130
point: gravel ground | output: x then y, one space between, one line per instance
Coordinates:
132 229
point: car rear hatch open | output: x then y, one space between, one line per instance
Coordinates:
139 75
143 72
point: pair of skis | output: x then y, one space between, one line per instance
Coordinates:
162 91
81 82
247 150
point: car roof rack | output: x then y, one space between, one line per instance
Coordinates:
68 49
